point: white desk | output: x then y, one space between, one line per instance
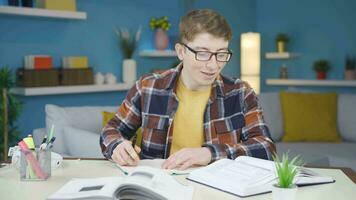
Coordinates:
12 188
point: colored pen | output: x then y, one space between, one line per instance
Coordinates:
134 141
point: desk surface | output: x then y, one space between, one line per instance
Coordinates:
12 188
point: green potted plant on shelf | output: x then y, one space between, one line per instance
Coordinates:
10 108
282 40
321 67
350 65
128 43
161 26
286 169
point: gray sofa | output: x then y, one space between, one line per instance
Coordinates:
77 130
316 153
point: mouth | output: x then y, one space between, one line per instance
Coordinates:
208 74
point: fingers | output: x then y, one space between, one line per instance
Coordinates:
124 154
177 160
137 149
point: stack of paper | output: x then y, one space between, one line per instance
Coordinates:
38 62
67 5
75 62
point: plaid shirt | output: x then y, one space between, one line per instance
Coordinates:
233 121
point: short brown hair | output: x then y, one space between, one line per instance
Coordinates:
203 20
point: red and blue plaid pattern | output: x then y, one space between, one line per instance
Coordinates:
233 121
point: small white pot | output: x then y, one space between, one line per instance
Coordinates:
279 193
129 71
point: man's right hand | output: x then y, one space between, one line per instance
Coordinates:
125 154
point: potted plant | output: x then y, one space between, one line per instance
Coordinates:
128 45
321 67
350 65
282 40
10 108
160 25
286 169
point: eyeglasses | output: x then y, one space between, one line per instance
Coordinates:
206 55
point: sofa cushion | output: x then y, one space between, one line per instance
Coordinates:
346 116
270 104
309 117
82 143
82 117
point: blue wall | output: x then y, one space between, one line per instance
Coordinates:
94 37
319 29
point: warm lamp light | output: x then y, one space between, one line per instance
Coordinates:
251 59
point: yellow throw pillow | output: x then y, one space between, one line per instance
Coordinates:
107 116
310 117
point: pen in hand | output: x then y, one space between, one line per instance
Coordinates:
134 141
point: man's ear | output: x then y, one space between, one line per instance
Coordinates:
179 50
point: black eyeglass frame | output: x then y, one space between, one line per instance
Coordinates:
211 54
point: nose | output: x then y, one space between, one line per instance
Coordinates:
212 64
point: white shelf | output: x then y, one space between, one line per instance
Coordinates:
157 53
302 82
284 55
36 91
39 12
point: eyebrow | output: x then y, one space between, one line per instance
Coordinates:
204 48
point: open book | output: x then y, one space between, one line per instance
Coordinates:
143 183
246 176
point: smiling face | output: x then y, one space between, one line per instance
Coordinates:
199 75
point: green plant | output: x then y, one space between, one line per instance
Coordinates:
282 37
286 169
127 41
321 66
10 108
162 23
350 63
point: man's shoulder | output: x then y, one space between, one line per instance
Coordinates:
232 83
159 79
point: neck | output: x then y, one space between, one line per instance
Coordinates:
190 83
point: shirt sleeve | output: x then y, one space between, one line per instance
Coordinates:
255 137
124 124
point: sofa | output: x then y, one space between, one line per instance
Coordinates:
77 132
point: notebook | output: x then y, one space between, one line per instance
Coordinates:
143 183
247 176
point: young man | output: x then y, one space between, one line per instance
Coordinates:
190 115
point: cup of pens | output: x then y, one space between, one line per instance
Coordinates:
35 163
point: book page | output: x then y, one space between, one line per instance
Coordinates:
157 163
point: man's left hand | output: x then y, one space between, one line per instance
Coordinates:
188 157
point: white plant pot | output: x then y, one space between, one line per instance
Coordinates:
279 193
129 71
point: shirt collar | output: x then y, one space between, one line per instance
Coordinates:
217 89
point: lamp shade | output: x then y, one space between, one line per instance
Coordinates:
251 59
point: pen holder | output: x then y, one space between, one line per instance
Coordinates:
35 165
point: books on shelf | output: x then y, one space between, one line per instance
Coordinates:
38 62
75 62
142 183
66 5
247 176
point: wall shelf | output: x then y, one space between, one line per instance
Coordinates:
284 55
39 12
304 82
158 53
36 91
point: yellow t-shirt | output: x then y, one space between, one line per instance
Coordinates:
188 121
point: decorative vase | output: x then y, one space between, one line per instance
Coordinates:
129 71
321 75
161 39
350 74
281 46
279 193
